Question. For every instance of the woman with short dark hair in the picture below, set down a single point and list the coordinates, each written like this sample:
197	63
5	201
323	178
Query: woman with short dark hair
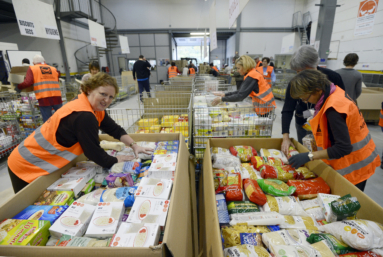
352	78
94	68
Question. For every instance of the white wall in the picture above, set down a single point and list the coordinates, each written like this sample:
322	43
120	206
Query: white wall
267	44
230	48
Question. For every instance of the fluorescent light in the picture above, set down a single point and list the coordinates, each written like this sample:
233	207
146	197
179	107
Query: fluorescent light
198	33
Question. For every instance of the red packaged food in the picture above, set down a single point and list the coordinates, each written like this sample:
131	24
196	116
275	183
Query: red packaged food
233	188
243	152
257	162
283	173
307	189
254	192
361	254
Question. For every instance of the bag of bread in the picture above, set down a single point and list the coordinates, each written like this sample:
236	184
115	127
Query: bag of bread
286	205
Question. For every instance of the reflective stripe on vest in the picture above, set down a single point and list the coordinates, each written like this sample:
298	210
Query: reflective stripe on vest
269	70
40	153
45	81
47	89
360	164
172	71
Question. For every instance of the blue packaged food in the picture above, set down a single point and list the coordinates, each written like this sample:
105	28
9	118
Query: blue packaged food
123	193
273	228
41	212
167	147
126	167
162	143
251	239
223	213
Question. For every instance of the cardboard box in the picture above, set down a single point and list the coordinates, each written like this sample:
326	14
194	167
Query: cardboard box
210	243
17	76
180	235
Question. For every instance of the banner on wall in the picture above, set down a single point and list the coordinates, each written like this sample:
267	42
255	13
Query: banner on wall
365	18
97	34
235	8
36	19
124	44
204	45
213	28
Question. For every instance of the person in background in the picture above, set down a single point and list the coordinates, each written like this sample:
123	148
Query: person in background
254	85
305	58
194	67
214	70
94	68
238	77
258	62
381	124
72	130
25	62
173	70
340	131
272	62
191	70
227	69
352	79
308	32
267	71
141	70
45	82
185	71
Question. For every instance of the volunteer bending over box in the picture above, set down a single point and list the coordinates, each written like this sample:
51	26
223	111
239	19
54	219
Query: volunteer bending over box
341	134
71	131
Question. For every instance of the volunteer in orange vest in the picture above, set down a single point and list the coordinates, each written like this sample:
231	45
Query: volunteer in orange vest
173	70
191	70
267	71
45	82
381	124
253	85
258	62
214	70
71	131
341	134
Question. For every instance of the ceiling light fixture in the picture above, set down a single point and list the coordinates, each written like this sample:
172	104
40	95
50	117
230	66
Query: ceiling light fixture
198	33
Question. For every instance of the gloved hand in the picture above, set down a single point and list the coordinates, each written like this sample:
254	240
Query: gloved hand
299	160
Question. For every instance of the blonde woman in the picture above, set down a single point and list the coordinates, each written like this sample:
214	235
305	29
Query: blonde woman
253	85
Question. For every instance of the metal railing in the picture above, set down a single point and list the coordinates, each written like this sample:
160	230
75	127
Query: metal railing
297	19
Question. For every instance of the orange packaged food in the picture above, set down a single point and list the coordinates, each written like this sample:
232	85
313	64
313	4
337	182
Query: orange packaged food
307	189
233	188
254	192
283	173
243	152
257	162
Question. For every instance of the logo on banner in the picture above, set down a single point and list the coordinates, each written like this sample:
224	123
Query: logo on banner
368	7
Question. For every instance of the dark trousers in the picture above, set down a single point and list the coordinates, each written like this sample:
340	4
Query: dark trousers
361	185
301	132
46	111
17	183
144	85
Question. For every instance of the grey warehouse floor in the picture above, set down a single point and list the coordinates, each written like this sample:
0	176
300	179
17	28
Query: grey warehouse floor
374	187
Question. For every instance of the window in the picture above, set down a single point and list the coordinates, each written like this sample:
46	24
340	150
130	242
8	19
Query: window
153	63
131	63
192	52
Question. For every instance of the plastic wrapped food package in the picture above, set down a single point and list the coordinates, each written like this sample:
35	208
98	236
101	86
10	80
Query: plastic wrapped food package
71	241
122	194
275	187
308	189
222	161
119	180
242	207
309	142
126	167
312	207
93	198
345	207
246	251
273	161
318	249
88	164
109	145
338	245
299	222
273	153
223	214
234	187
324	201
220	178
253	174
362	254
362	235
286	205
292	152
243	152
283	173
257	218
219	150
231	234
304	173
257	162
286	237
254	192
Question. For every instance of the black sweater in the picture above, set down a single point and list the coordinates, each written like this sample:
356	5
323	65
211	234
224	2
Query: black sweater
141	68
247	86
83	127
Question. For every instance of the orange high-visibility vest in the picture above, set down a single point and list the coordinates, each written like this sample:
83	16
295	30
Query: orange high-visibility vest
215	68
40	154
172	71
263	101
360	164
258	64
191	71
381	118
45	81
269	70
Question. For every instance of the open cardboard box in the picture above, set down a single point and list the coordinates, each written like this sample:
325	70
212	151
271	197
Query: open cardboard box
370	104
181	226
210	243
17	75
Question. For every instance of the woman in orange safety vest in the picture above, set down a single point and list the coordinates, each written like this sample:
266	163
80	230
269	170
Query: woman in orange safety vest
341	134
69	132
253	85
267	71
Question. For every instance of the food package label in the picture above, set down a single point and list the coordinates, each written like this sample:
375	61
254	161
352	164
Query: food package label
149	210
136	235
154	188
55	198
68	184
223	214
325	202
43	212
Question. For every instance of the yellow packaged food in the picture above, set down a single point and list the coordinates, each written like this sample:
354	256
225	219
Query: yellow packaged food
181	126
148	122
305	173
167	130
155	129
169	120
231	234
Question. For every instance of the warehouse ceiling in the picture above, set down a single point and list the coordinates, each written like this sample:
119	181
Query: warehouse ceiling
184	35
7	13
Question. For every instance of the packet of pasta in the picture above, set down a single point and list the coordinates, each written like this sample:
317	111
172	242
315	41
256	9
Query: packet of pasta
292	152
257	162
244	152
246	250
299	222
286	205
254	192
283	173
275	187
304	173
308	189
345	207
274	161
233	189
338	245
231	234
242	207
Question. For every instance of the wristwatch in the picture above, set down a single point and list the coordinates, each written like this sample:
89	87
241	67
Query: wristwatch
133	143
311	156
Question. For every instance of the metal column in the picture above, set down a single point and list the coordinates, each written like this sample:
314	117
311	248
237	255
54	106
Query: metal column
237	33
325	26
61	41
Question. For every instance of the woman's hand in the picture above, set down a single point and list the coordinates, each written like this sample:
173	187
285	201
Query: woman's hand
221	94
216	101
299	160
286	143
139	149
125	158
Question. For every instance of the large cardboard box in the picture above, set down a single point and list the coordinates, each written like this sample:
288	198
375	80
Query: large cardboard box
370	104
17	75
181	227
210	242
127	79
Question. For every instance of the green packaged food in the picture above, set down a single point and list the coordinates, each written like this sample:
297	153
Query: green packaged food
345	207
88	187
338	246
242	207
275	187
24	232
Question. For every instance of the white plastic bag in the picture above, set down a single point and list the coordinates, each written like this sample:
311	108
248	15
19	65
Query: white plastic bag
286	237
221	161
312	207
298	222
257	218
286	205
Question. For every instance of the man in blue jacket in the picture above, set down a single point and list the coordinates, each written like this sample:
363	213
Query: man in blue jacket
141	70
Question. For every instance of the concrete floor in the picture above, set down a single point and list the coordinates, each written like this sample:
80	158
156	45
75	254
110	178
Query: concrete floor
373	189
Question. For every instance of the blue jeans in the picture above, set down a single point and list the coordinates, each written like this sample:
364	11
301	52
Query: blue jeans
144	85
46	111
